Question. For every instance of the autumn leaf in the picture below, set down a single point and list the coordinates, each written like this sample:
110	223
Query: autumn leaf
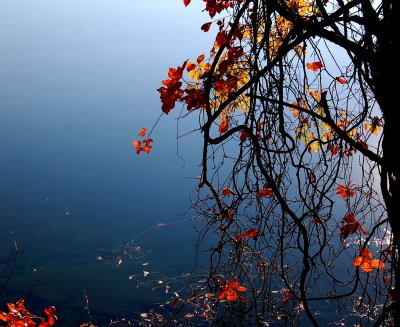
244	136
351	226
206	27
341	80
223	128
186	2
288	294
266	191
142	132
227	191
251	233
314	66
222	39
366	263
375	126
137	145
19	316
345	191
229	216
146	147
200	58
230	289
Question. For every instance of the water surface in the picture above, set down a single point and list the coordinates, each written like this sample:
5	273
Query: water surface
77	81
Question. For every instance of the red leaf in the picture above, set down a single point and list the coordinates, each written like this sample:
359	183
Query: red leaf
142	132
251	233
341	80
186	2
206	27
227	191
349	218
314	66
223	128
222	39
345	191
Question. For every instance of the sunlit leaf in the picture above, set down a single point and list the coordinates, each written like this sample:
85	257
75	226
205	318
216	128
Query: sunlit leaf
341	80
366	263
223	128
345	191
314	66
142	132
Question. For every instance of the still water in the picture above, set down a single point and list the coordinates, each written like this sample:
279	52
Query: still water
92	220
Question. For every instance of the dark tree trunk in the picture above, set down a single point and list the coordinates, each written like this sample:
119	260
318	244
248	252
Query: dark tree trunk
386	83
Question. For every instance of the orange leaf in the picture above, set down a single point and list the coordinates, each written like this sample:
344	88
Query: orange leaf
142	132
367	266
366	253
231	295
341	80
137	145
366	263
223	128
315	66
230	289
345	191
357	261
378	264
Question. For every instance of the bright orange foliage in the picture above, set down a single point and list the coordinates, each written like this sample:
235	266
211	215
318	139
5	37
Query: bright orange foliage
146	147
19	316
314	66
142	132
345	191
230	289
223	128
366	263
374	127
341	80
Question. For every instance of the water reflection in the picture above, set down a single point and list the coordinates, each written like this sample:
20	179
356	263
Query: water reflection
77	81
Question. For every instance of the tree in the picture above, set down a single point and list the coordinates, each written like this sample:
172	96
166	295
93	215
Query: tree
300	175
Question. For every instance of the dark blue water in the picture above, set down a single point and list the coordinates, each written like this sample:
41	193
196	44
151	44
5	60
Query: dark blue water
77	82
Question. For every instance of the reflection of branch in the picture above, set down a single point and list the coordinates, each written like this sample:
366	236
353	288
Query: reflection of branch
12	270
328	120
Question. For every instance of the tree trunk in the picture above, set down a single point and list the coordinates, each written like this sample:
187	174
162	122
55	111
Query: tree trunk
386	95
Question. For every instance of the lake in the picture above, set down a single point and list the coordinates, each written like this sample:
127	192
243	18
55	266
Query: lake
97	226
